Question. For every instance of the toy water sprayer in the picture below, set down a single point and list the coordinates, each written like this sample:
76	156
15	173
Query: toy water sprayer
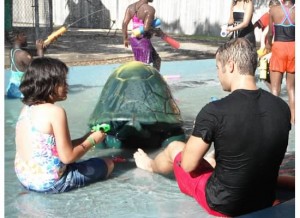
140	30
224	32
101	127
155	23
54	35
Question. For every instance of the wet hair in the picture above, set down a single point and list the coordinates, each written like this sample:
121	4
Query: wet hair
241	52
41	80
235	1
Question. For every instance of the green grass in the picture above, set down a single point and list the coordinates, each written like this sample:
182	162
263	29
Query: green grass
203	37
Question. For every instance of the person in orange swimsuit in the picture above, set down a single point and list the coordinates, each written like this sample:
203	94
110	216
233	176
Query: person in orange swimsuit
283	50
263	24
264	58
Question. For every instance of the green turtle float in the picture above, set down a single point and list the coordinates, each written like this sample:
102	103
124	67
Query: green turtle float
139	107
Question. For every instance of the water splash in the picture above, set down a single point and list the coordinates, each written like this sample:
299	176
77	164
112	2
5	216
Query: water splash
84	17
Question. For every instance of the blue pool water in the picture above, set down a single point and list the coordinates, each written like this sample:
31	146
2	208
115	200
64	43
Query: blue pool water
130	192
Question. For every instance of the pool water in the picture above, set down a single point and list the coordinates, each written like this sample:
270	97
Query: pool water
129	192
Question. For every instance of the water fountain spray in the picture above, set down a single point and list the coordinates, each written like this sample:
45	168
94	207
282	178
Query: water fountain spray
54	35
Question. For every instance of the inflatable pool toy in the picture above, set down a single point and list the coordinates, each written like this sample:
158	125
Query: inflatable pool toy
139	107
212	98
171	76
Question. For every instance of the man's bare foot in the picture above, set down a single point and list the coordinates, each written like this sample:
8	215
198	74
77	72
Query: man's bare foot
142	160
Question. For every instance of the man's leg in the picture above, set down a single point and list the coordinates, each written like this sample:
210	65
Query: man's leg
163	162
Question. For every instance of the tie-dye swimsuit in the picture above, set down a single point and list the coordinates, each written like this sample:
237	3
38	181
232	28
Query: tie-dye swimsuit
44	168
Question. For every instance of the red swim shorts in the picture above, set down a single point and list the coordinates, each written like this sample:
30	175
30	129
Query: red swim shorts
283	57
193	184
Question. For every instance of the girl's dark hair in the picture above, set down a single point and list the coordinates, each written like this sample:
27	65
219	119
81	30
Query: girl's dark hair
41	80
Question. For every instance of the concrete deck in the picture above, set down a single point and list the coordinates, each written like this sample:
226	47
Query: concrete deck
96	46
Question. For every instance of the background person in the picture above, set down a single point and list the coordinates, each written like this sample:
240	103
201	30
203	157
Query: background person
142	14
240	23
283	50
45	154
264	58
19	61
249	129
263	24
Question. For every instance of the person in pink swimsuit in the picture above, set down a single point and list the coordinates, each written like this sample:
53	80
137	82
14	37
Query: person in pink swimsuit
141	14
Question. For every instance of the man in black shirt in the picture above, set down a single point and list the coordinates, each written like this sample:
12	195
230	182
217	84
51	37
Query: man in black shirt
249	129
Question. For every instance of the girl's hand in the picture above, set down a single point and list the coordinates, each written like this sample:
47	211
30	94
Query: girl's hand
268	48
229	29
39	44
126	43
267	57
98	136
158	32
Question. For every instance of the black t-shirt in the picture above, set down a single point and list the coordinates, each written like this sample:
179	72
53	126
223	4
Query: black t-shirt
250	131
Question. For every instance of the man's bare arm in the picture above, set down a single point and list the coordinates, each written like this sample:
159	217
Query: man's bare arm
193	153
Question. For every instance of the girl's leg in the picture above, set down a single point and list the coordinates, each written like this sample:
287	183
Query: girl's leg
290	86
110	166
276	79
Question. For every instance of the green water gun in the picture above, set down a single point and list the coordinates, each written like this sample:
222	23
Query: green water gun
104	127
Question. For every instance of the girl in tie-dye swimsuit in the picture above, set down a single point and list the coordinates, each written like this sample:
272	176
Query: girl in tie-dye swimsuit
44	168
45	154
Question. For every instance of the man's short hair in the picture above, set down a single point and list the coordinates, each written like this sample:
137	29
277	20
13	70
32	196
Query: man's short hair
241	52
